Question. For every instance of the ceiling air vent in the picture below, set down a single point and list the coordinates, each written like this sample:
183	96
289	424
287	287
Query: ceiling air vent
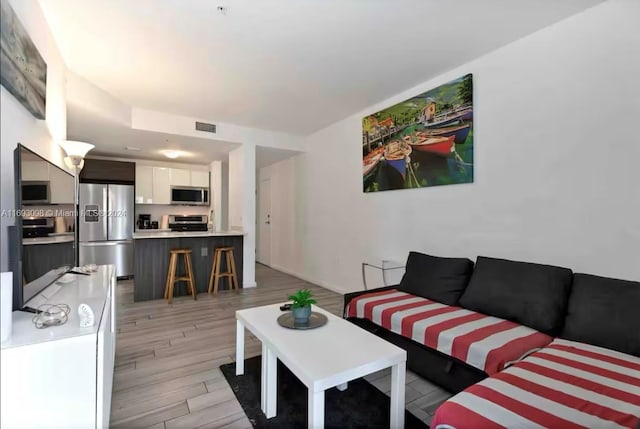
207	128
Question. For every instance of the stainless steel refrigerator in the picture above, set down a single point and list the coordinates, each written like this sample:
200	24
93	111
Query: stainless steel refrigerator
106	226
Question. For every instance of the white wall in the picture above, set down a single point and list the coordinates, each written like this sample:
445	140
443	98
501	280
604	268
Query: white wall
242	205
216	194
17	125
151	120
236	180
557	160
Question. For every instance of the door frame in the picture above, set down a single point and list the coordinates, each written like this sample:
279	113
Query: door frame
263	227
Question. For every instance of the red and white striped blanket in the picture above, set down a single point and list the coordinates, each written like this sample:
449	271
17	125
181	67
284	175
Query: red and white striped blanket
565	385
484	342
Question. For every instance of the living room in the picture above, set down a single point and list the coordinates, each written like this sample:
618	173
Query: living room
554	101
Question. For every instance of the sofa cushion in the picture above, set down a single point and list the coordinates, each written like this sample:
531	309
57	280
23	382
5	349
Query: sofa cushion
532	294
436	278
484	342
604	312
565	385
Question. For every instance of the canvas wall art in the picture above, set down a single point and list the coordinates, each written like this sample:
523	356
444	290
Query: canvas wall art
22	70
424	141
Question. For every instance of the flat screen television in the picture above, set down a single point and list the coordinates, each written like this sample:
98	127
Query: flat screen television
42	243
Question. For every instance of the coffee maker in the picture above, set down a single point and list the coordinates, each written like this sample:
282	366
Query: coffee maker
144	221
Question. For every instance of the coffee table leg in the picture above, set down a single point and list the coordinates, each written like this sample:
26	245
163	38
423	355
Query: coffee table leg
316	409
239	348
268	382
397	395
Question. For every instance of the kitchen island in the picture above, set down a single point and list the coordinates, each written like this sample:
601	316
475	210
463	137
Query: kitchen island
151	250
41	254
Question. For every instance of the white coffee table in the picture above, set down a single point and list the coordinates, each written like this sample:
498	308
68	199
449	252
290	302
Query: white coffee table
322	358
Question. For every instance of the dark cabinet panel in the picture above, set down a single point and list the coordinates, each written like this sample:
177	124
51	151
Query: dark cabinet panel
38	259
106	171
152	262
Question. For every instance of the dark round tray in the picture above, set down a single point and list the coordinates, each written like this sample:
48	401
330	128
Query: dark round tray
315	321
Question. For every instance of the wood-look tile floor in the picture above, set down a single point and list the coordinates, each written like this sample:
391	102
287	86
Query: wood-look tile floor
168	357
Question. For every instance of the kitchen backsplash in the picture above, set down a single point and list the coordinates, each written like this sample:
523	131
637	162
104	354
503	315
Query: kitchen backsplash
158	210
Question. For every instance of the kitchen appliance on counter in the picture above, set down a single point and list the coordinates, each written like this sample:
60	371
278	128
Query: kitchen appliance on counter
106	226
37	226
188	222
144	221
189	196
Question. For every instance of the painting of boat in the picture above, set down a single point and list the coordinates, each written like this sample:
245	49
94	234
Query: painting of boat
396	153
437	145
426	140
444	121
459	132
370	165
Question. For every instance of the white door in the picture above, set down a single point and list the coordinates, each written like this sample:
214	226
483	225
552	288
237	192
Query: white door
264	223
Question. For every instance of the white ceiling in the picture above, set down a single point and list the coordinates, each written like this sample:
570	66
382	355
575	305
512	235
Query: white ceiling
112	138
287	65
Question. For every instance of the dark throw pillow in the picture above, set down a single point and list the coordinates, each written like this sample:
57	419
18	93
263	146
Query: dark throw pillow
604	312
436	278
533	295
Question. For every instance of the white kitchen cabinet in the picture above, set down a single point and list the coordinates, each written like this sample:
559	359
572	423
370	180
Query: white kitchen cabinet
61	377
200	178
35	170
180	177
144	184
161	185
60	187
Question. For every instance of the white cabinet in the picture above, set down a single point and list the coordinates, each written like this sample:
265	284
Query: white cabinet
60	187
183	177
61	377
144	185
35	170
153	184
161	185
180	177
200	178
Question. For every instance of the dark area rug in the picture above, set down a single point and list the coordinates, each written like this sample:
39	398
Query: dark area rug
360	406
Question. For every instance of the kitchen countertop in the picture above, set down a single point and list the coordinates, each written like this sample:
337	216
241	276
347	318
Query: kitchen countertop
178	234
48	240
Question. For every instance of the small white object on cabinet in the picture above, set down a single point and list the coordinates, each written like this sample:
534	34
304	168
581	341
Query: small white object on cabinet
61	377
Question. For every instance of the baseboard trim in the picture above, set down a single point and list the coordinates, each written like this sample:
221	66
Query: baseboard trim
309	279
249	285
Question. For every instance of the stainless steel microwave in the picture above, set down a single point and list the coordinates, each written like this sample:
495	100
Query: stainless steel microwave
35	192
189	196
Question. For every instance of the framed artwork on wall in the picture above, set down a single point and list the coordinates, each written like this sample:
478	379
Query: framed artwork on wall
424	141
23	72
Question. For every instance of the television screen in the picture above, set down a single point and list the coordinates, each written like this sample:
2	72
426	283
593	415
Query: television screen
43	245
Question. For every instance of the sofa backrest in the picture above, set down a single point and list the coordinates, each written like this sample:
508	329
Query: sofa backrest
533	295
436	278
604	312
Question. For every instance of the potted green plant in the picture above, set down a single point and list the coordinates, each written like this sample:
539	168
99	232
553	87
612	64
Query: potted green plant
301	305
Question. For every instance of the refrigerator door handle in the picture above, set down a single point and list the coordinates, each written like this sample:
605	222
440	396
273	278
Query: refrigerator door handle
105	243
105	207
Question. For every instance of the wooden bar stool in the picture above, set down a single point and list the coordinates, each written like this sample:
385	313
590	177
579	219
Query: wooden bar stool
171	275
215	275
